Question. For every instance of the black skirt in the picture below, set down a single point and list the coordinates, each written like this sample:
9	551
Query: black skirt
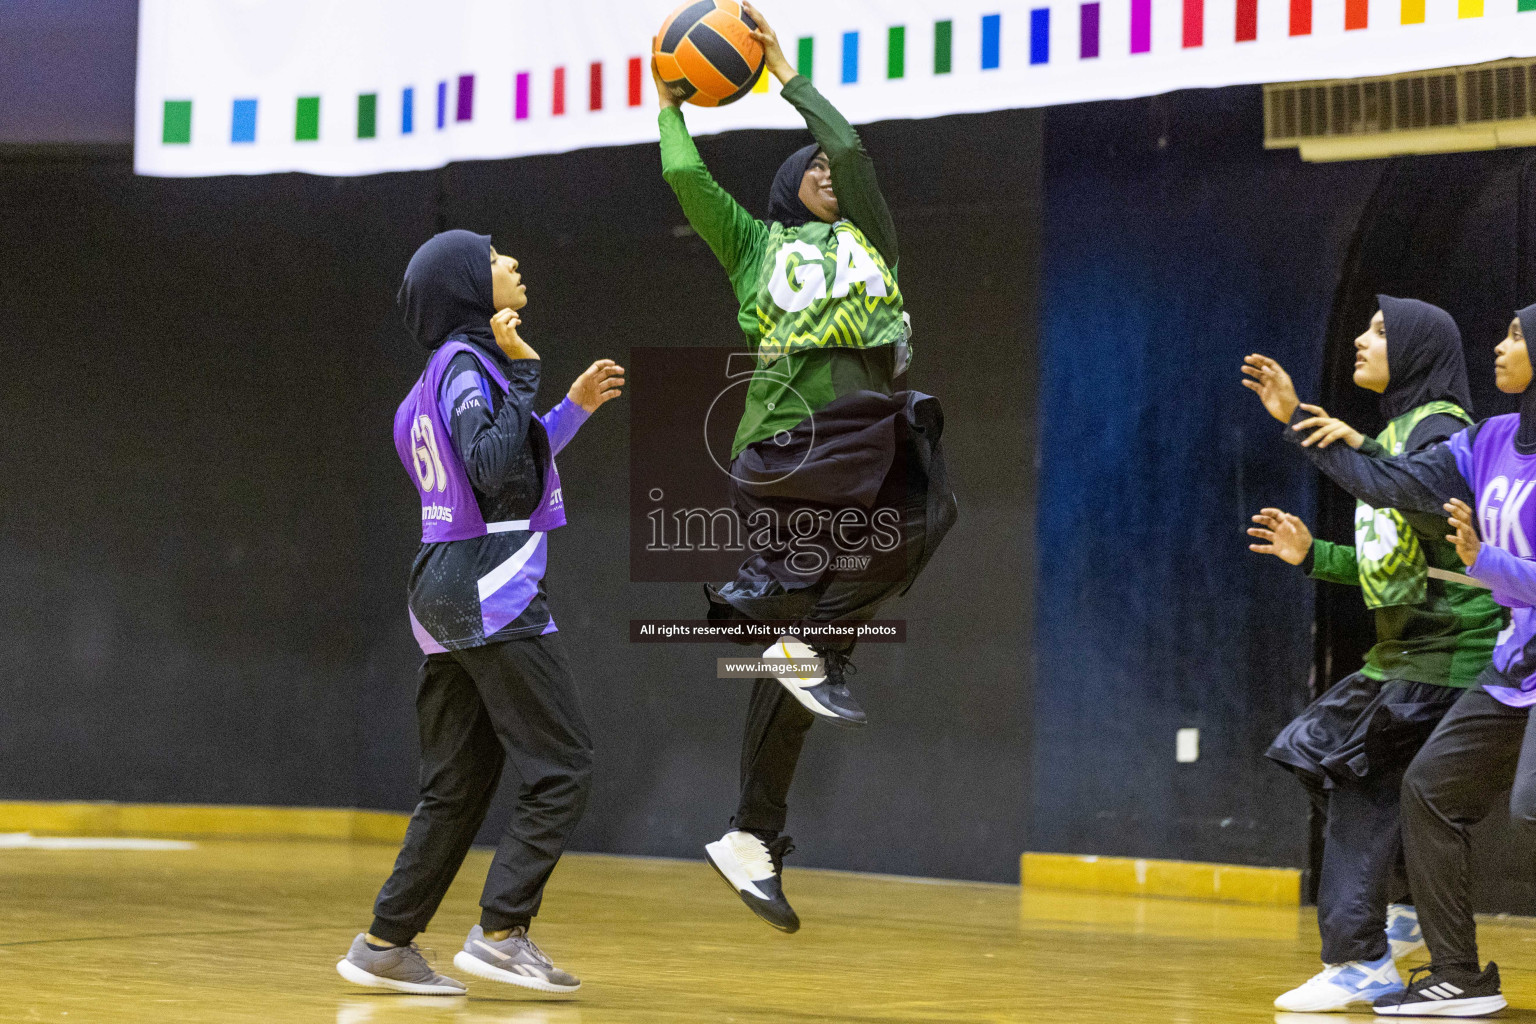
1361	725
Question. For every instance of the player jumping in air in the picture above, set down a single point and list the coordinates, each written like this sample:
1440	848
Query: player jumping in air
1351	746
495	685
1485	745
823	435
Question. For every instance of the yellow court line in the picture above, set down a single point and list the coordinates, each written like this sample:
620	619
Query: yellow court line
209	820
1231	883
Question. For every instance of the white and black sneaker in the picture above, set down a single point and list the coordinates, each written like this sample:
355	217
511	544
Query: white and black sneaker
754	870
825	696
1446	992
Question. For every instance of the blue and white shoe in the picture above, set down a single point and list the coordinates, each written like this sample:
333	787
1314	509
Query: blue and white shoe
1340	986
1403	932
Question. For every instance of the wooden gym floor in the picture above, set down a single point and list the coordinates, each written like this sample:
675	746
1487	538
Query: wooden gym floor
250	931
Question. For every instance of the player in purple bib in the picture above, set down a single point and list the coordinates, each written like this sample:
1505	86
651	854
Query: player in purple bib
495	684
1484	477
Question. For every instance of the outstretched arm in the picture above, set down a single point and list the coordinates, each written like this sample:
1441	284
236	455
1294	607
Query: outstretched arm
853	171
733	234
1422	481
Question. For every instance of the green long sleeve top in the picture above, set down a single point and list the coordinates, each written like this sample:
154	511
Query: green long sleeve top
819	303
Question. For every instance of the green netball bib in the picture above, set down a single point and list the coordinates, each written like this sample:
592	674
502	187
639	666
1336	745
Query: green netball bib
1393	570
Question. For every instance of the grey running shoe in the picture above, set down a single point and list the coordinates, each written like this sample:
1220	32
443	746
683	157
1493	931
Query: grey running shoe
514	960
401	968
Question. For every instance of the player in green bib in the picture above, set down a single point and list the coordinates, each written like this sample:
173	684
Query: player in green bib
1434	634
827	447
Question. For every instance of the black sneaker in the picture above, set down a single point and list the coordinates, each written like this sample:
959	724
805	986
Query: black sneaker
1446	992
827	697
754	870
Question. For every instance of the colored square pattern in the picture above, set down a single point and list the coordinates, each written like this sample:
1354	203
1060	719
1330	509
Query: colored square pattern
176	123
465	108
176	127
306	119
242	121
1141	26
1088	32
991	41
1301	17
1247	27
1194	23
368	115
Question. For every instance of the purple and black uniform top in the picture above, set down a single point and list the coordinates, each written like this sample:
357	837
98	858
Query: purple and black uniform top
1492	467
484	466
482	460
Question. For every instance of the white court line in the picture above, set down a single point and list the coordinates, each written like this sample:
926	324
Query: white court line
27	841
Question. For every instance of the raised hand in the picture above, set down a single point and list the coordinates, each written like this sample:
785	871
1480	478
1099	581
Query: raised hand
1327	429
1464	534
773	54
601	382
1272	384
665	94
1283	535
504	325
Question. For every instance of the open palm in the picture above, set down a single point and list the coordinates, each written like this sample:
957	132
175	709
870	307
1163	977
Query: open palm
1281	534
1268	379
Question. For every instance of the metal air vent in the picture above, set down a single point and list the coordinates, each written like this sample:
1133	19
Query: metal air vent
1483	106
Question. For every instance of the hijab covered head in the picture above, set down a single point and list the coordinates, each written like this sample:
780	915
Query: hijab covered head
1425	362
784	203
1525	439
447	291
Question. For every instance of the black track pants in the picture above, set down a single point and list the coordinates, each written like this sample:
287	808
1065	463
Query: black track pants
476	710
1480	749
1361	870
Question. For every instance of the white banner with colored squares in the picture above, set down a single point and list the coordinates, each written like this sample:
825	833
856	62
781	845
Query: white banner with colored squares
363	86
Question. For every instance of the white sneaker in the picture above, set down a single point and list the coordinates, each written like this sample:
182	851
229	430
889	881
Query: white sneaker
1340	986
826	696
754	871
1403	932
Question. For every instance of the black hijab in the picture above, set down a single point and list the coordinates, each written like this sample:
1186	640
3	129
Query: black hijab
1525	438
1425	362
784	203
447	292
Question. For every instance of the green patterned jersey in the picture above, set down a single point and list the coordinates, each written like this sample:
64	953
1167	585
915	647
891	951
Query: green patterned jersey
818	304
821	286
1392	566
1427	630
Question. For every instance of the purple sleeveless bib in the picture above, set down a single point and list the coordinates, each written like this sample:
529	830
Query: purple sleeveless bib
449	510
